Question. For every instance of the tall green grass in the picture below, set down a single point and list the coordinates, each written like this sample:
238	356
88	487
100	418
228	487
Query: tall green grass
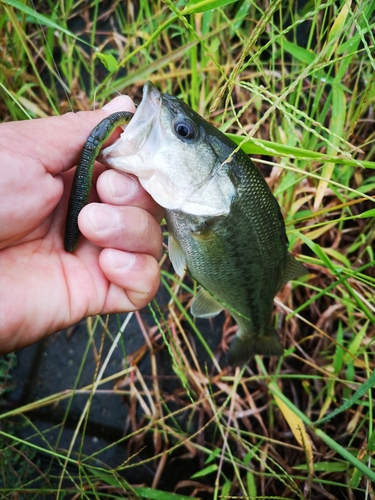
295	89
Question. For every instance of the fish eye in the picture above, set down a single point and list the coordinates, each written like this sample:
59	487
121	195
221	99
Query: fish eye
184	128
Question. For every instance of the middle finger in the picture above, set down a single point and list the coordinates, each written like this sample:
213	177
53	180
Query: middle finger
129	228
118	188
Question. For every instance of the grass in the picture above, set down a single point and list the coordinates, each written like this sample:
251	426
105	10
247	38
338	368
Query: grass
295	88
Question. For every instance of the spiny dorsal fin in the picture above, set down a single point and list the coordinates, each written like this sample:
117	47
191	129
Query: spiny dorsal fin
204	305
176	256
293	269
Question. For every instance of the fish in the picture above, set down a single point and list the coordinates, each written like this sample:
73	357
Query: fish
225	226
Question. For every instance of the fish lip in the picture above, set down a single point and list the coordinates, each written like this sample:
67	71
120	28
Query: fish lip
150	97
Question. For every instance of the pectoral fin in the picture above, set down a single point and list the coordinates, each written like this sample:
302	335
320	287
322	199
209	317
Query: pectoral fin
245	346
293	269
205	306
176	256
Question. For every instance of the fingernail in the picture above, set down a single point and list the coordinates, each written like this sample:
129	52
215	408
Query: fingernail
121	260
122	187
103	217
119	103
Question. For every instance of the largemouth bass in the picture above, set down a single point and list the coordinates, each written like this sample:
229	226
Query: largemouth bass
225	226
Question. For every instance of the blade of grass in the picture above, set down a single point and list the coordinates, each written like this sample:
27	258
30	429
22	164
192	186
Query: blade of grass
197	6
262	146
359	393
337	128
334	445
41	19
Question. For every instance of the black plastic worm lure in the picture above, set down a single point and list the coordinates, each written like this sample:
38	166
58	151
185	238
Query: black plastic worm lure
79	194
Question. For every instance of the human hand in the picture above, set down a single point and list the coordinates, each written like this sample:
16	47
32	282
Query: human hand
44	289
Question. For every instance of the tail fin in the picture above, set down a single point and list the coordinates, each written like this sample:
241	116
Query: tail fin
245	346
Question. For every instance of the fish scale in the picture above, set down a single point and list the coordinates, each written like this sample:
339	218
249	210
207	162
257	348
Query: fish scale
235	259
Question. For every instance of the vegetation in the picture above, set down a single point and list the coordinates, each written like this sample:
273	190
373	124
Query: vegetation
293	82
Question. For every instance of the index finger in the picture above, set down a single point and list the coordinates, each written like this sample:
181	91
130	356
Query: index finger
57	141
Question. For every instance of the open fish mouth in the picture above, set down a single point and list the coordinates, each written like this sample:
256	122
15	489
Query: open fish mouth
138	131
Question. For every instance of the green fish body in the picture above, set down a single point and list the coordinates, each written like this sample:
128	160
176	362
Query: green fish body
225	226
